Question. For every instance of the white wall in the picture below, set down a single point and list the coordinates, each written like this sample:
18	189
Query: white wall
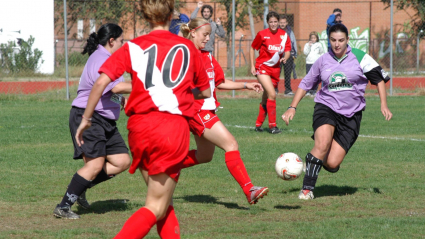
35	18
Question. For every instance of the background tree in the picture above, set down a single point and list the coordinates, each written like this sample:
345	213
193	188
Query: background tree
417	20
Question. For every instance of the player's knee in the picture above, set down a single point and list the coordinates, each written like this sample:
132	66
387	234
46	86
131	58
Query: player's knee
124	164
322	146
232	145
272	95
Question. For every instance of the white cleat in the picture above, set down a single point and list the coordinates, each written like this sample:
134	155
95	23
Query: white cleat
306	195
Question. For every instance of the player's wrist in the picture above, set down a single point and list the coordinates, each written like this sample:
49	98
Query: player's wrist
244	85
86	118
292	107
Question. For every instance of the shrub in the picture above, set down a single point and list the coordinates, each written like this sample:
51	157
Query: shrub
24	60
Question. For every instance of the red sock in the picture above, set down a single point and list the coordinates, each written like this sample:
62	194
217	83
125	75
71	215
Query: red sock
190	159
138	225
237	169
261	116
271	109
168	227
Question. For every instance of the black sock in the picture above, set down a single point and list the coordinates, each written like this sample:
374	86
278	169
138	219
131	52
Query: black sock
101	177
77	186
312	169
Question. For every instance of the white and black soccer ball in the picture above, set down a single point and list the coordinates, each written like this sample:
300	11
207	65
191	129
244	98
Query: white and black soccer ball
289	166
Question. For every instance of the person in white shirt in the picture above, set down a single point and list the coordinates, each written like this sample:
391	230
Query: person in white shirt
313	50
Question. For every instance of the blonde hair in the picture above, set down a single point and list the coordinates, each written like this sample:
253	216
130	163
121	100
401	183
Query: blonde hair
157	11
186	28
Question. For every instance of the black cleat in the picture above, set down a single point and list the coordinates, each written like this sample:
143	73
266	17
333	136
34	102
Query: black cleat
259	129
82	201
275	130
65	212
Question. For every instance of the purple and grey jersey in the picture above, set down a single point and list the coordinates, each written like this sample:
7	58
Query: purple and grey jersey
343	80
109	103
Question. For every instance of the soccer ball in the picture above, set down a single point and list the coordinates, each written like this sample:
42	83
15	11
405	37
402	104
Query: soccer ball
289	166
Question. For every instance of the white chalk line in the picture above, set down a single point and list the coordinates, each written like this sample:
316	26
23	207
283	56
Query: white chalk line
311	132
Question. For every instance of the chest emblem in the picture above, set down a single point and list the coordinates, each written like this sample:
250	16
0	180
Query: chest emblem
338	81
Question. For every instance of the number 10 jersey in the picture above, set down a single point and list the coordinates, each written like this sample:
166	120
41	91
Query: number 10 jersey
164	68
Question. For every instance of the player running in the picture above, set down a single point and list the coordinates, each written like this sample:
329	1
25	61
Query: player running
104	152
344	73
163	73
272	43
206	127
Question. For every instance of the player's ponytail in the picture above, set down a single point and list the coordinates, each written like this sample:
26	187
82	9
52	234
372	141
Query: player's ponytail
103	35
193	25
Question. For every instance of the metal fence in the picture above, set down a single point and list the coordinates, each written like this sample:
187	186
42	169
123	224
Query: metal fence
367	21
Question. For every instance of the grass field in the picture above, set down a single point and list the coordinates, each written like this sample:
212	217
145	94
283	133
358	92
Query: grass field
378	193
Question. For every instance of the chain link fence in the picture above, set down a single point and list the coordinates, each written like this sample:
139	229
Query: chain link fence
368	23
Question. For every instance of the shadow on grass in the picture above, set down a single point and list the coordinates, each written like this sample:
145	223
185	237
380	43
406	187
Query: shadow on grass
285	207
332	190
101	207
211	199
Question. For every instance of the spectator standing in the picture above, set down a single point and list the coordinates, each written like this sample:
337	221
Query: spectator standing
178	19
313	50
333	19
288	67
216	27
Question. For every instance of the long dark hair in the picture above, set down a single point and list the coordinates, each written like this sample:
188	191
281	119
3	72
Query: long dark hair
105	32
272	14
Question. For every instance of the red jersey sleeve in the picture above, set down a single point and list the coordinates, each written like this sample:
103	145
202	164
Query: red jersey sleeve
117	63
201	80
256	44
287	44
218	72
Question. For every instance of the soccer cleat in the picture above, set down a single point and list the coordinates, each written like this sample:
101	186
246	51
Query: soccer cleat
306	195
82	201
275	130
65	212
290	93
256	193
259	129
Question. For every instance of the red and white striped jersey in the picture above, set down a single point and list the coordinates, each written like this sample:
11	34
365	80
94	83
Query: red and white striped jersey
271	46
216	77
164	68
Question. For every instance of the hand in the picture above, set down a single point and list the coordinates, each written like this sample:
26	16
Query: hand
85	124
283	60
288	115
386	112
200	4
257	87
310	43
253	71
218	21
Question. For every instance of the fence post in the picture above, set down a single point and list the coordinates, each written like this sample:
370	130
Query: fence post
233	44
391	49
66	50
417	51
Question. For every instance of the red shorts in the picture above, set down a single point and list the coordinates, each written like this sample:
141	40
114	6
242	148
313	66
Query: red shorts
159	142
202	120
273	72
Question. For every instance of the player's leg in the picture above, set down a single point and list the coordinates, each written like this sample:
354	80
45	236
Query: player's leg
220	136
160	190
79	183
262	113
335	157
269	88
323	138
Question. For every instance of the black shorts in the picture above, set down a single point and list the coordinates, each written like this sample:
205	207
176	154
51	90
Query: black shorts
346	129
101	139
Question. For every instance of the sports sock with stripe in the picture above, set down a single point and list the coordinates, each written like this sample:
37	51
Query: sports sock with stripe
76	187
312	169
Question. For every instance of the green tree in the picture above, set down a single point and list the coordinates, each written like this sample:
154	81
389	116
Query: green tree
417	20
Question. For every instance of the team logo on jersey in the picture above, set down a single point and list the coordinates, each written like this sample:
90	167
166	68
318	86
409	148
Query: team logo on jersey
282	36
266	37
210	73
207	117
338	81
263	71
276	47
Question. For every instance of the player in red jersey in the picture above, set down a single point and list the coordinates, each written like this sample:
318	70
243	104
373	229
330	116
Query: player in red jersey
272	43
163	76
206	127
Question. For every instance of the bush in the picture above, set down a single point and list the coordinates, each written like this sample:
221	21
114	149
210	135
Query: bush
74	59
23	60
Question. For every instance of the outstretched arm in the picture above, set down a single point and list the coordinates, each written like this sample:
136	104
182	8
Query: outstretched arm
231	85
290	112
383	96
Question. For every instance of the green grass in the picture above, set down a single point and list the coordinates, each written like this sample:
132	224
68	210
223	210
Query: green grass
378	193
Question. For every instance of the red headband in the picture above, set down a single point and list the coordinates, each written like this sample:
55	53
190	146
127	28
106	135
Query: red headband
201	26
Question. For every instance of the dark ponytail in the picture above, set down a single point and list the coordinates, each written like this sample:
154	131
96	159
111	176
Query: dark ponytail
105	32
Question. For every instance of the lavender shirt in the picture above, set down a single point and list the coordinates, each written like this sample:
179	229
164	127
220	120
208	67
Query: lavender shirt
109	103
343	83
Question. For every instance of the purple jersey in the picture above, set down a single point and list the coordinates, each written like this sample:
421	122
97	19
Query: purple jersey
109	103
343	80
